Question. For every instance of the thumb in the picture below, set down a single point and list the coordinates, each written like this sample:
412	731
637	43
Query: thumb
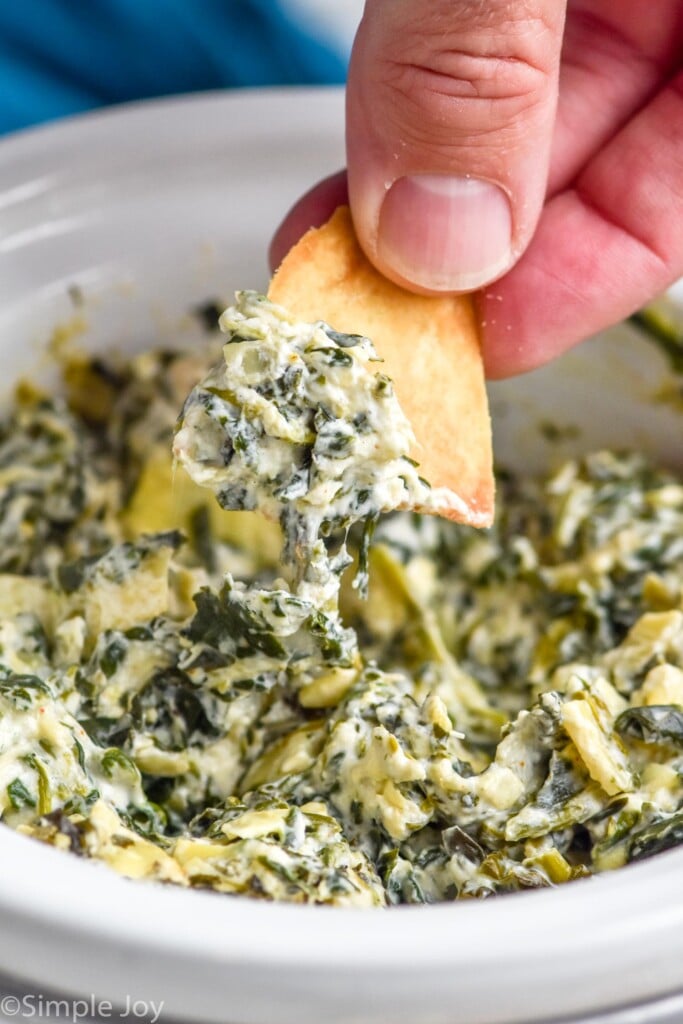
450	112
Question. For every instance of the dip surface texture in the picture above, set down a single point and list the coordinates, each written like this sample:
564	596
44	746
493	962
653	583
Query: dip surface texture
504	711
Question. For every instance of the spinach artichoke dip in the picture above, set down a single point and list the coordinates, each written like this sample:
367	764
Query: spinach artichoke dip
459	714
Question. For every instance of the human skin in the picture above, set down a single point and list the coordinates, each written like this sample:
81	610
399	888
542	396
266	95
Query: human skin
531	150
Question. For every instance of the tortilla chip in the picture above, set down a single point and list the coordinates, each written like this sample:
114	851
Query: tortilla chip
430	348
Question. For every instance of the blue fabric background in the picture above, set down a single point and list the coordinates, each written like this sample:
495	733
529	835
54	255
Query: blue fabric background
63	56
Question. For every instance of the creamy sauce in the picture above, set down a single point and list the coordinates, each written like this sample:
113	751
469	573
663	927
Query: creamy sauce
299	422
504	711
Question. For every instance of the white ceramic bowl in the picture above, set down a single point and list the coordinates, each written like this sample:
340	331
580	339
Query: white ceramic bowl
151	209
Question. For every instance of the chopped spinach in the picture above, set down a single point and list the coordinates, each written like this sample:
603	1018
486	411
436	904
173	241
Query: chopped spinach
655	724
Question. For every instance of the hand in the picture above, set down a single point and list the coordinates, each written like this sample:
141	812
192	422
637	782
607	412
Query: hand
465	168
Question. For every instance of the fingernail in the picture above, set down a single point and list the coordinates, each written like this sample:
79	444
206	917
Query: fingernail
445	233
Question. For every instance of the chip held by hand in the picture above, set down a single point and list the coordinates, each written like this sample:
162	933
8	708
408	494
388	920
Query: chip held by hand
431	351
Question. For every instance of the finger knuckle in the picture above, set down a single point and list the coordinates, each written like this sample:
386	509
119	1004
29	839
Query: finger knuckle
462	96
470	72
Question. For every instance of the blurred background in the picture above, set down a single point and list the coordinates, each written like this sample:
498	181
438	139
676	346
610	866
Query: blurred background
60	57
